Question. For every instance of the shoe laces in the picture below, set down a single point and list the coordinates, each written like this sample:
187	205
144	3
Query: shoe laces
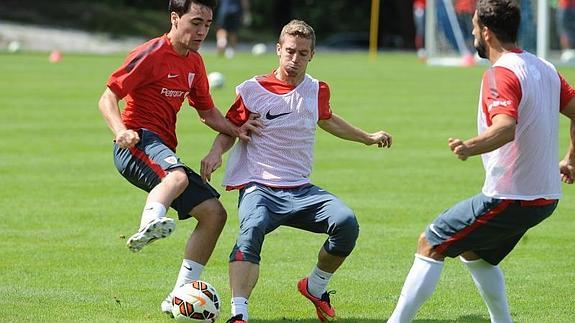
325	297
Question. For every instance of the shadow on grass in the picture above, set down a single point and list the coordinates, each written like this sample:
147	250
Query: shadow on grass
461	319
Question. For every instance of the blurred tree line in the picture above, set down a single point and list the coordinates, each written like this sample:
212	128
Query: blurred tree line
337	22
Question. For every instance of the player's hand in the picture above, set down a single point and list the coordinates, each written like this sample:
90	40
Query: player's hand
381	138
127	138
567	170
458	148
209	164
253	125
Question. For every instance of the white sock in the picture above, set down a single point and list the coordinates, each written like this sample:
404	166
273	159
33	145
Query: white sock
418	286
190	270
491	284
240	306
317	282
152	210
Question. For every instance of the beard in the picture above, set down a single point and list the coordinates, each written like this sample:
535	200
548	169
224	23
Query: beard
481	48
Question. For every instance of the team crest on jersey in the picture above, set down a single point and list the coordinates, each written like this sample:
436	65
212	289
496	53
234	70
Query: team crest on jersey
171	160
191	79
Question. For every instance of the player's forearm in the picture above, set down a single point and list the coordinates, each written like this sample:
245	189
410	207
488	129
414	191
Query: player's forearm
215	120
569	112
344	130
222	144
570	156
110	110
493	138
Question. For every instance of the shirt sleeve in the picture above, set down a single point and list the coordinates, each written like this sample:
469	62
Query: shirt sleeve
238	114
324	108
567	93
501	92
135	72
199	96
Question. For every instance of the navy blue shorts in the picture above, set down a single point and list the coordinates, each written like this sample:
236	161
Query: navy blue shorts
262	209
149	161
488	226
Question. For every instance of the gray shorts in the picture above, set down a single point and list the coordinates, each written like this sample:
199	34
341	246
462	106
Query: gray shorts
262	209
148	162
488	226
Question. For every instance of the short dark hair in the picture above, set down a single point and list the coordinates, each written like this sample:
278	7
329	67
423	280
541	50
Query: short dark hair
502	17
181	7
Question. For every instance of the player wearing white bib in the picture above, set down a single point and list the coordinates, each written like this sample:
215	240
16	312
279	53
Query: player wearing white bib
272	171
518	118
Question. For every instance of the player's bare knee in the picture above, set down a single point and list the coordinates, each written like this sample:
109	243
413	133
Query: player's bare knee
470	256
423	246
178	179
425	249
220	216
210	213
213	213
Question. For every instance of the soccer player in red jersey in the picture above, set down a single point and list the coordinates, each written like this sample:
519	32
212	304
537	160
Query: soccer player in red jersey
272	171
521	99
154	80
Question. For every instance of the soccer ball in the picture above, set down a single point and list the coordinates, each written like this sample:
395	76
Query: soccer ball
568	56
197	301
216	79
14	46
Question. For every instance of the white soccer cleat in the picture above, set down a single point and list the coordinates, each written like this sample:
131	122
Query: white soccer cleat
155	229
166	305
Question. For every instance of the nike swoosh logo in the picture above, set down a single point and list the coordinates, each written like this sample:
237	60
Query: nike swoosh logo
188	268
434	230
270	116
171	76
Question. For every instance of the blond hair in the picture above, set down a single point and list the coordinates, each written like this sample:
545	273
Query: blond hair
298	28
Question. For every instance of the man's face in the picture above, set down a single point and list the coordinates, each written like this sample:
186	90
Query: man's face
479	42
294	52
192	28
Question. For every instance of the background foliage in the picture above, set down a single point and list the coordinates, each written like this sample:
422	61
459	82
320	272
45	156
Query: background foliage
148	18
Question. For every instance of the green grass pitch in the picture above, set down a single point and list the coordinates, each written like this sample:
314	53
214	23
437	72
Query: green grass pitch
65	212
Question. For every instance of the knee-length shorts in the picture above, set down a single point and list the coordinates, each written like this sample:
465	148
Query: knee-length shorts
150	160
262	209
488	226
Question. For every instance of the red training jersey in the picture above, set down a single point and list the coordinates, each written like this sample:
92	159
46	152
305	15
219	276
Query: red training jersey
238	113
154	80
